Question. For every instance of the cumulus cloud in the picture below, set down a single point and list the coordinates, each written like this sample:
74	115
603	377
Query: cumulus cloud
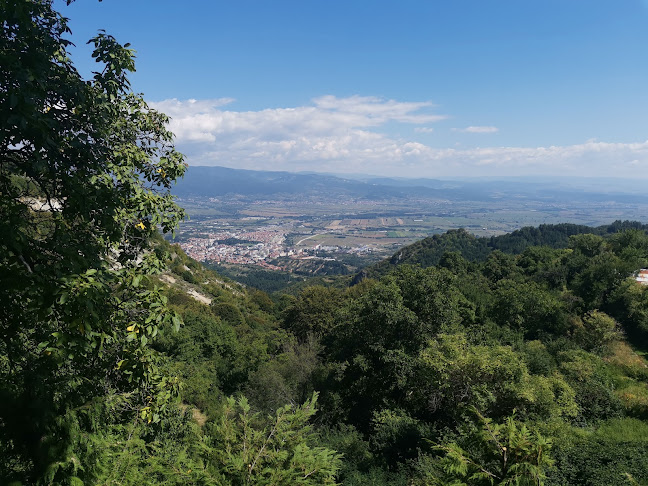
379	110
473	129
344	135
193	120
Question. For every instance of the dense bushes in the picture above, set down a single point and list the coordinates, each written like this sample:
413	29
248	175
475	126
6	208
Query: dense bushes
424	377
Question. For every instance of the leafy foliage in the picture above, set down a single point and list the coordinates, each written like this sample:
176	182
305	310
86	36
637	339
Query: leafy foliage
430	251
504	454
279	452
85	173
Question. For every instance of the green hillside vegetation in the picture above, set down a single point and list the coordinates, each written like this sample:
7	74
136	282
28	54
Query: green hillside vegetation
311	273
425	375
420	360
421	377
125	362
429	251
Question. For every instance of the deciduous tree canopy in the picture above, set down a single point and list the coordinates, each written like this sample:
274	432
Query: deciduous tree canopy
85	172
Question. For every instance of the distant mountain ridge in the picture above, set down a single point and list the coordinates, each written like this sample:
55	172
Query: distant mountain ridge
214	181
218	181
221	181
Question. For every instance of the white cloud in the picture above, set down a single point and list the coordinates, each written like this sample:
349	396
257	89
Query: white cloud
473	129
204	120
342	135
378	109
174	107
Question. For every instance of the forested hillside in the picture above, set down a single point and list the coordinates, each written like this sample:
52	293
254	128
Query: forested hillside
125	362
429	251
421	377
424	375
420	362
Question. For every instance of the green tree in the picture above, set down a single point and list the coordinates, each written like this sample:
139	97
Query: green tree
508	453
528	307
499	266
588	245
279	450
629	304
85	173
452	376
313	312
373	351
595	331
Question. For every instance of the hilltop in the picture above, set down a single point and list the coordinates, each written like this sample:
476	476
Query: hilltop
430	251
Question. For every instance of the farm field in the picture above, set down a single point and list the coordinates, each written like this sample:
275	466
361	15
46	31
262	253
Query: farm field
298	227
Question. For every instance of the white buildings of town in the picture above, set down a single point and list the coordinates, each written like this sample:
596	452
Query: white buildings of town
642	276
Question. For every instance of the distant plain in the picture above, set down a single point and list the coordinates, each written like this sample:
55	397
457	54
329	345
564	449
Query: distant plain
385	214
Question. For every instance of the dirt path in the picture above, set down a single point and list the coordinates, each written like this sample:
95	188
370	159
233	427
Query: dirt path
308	238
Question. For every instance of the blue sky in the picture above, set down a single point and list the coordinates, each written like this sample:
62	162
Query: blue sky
410	88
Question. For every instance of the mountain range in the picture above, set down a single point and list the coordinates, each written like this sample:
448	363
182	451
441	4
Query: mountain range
214	181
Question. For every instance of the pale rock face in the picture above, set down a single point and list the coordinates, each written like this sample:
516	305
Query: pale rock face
168	279
198	296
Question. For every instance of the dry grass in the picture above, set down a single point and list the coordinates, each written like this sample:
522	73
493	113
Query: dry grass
635	399
199	417
632	384
624	357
